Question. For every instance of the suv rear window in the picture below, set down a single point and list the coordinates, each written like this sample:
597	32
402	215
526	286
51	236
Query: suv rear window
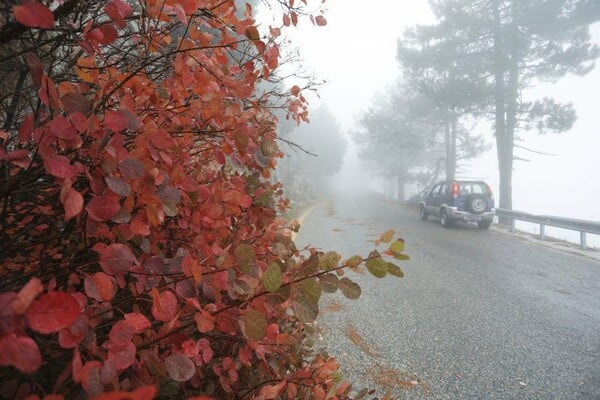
472	187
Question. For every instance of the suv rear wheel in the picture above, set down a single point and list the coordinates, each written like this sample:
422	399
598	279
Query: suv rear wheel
444	220
422	213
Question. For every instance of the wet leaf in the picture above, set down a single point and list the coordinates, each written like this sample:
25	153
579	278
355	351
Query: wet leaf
397	247
305	309
52	312
116	259
20	352
394	270
34	15
354	261
311	288
329	283
349	288
103	207
245	256
255	324
377	267
179	367
272	278
329	260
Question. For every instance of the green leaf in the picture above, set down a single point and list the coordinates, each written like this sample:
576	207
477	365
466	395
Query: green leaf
377	267
312	289
394	270
271	279
255	324
245	256
329	260
280	296
354	261
397	247
305	309
401	257
349	289
329	283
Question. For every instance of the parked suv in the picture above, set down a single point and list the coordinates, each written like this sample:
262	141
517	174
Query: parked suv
469	201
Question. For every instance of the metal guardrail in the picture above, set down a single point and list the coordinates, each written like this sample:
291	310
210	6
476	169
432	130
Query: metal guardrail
580	225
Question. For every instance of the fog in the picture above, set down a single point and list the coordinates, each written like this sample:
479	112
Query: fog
356	54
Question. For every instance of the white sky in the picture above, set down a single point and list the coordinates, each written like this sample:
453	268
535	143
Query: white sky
356	52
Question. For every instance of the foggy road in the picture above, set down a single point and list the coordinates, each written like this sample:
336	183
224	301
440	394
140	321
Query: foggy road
479	314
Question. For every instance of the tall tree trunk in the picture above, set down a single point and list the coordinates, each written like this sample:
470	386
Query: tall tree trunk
512	95
450	142
503	147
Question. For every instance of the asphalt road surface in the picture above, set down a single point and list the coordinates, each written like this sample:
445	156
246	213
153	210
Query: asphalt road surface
478	315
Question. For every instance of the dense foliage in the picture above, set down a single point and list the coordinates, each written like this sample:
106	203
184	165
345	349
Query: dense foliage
140	245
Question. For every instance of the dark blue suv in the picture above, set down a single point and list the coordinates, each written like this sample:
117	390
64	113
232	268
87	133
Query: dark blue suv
469	201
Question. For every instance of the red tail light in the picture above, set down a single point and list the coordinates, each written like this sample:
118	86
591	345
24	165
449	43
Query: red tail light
455	189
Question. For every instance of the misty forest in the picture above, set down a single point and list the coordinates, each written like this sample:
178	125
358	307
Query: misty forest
188	210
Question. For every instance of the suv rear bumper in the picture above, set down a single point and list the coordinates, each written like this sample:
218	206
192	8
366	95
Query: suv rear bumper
467	216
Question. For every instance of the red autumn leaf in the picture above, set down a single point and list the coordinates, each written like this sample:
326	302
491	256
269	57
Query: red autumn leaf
295	90
62	128
139	322
118	121
90	376
34	15
36	69
103	207
118	10
59	166
67	340
205	321
116	259
26	128
105	34
252	33
131	168
76	103
180	13
10	322
52	312
164	305
122	355
26	295
20	352
320	20
100	286
139	225
142	393
180	367
121	333
73	203
271	391
118	186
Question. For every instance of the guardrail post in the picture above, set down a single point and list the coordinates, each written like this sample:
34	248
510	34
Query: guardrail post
582	240
513	227
542	232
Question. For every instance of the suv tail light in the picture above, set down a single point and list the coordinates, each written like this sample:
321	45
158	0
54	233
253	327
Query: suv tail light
455	190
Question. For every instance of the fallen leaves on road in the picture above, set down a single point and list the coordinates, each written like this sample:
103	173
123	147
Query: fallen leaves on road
358	340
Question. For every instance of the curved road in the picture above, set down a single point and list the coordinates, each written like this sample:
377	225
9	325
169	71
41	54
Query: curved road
478	315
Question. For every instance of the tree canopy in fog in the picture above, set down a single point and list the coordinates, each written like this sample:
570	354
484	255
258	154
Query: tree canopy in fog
491	51
315	152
